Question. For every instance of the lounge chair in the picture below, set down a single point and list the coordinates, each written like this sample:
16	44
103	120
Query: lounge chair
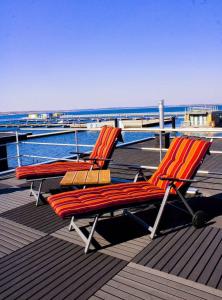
172	178
98	159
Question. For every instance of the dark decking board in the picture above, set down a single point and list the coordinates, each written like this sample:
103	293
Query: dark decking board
13	198
139	282
54	269
127	239
192	254
14	236
42	260
40	218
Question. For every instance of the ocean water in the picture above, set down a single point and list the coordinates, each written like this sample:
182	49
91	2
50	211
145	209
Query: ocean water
85	137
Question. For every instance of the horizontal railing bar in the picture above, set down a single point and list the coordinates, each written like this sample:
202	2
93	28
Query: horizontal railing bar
146	149
57	144
53	129
164	149
11	156
6	172
48	157
147	167
166	129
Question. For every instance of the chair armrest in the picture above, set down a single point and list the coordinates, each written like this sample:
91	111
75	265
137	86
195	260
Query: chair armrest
178	179
80	154
97	159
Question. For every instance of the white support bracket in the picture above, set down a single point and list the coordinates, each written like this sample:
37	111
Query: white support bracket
86	240
184	201
37	194
160	212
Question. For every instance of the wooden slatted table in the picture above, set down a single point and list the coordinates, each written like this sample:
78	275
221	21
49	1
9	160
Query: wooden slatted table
92	177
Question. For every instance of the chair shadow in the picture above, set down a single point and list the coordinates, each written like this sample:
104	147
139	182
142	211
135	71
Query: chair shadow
121	229
9	190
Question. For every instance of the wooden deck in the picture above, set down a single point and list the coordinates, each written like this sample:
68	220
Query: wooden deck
41	259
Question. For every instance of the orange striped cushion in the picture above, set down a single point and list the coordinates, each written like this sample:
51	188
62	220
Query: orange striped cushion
105	143
103	149
54	169
181	160
100	199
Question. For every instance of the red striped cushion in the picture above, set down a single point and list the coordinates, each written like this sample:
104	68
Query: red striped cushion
54	169
105	142
181	160
98	199
103	149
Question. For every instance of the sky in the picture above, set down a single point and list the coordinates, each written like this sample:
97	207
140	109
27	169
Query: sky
77	54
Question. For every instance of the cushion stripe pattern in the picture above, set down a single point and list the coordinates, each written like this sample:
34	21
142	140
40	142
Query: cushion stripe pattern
53	169
181	161
102	149
102	198
104	144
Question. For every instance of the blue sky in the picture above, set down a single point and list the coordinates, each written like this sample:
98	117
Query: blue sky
73	54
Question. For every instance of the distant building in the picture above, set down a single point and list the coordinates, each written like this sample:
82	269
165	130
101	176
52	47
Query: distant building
42	116
203	116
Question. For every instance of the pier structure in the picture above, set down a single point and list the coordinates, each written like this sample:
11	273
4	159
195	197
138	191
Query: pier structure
4	139
91	122
61	119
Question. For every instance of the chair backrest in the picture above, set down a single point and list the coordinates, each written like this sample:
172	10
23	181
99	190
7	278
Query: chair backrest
182	160
105	144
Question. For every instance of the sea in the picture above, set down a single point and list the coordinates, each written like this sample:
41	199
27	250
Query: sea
84	137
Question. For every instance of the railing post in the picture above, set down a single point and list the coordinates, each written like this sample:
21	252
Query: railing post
76	142
17	149
161	122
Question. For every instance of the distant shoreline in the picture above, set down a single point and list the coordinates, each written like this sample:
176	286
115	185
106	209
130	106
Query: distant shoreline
100	109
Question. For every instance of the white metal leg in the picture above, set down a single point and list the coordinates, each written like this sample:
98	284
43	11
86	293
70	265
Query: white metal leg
31	188
160	212
36	194
184	201
86	240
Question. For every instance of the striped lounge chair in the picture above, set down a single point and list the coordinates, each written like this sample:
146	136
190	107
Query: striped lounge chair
98	159
171	179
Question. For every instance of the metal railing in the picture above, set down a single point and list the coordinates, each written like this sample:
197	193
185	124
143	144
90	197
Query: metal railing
200	131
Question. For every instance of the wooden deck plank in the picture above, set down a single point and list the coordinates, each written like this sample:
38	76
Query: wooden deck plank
216	275
145	274
198	254
54	268
160	255
109	290
173	251
151	250
172	263
191	287
189	252
199	269
178	268
41	218
13	237
139	290
155	283
107	296
14	199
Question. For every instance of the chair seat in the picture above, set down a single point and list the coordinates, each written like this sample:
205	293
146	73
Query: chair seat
50	170
100	199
